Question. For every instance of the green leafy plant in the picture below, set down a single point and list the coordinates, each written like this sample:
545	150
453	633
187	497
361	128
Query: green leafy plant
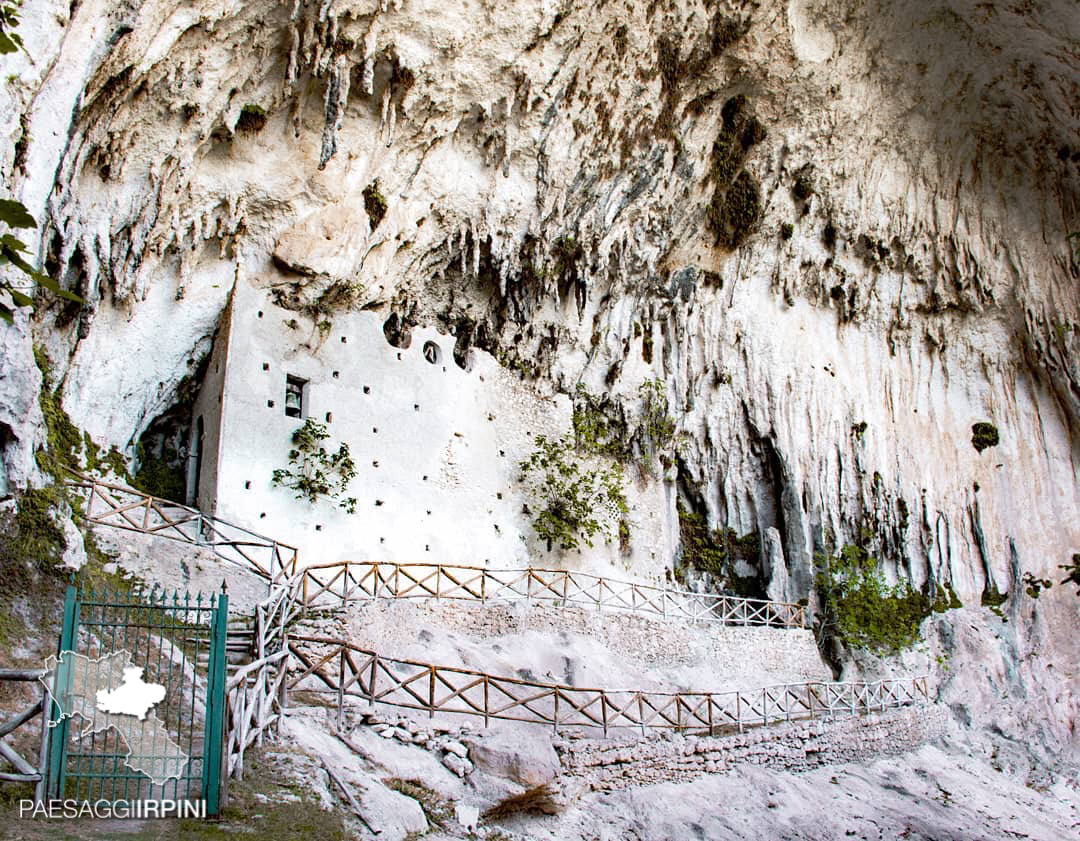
860	608
993	599
657	424
10	40
314	471
573	503
1033	585
598	430
946	599
13	214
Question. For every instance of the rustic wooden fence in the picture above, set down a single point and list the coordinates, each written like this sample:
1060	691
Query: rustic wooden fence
125	508
254	702
332	585
257	693
349	671
25	771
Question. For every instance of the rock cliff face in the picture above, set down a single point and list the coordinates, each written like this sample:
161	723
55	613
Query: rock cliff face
836	231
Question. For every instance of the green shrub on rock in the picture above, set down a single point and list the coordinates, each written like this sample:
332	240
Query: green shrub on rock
861	609
717	552
573	503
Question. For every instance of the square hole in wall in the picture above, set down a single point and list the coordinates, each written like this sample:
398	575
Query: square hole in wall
266	366
329	417
247	485
260	313
337	374
318	527
367	390
343	340
270	404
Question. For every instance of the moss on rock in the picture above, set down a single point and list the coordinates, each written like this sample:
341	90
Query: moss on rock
252	119
983	435
374	204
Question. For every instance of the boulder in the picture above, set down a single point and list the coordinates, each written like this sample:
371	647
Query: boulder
529	762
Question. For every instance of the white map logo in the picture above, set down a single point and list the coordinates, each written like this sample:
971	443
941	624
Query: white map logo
110	693
134	697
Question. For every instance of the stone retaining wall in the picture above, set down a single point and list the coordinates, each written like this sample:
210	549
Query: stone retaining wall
724	657
604	765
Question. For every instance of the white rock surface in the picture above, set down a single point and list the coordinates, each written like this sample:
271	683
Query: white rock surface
530	762
539	208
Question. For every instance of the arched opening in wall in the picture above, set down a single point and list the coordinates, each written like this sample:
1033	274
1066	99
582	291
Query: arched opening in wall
432	353
397	332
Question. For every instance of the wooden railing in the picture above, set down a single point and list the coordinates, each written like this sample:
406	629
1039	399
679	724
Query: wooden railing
125	508
254	702
350	671
329	585
25	771
257	693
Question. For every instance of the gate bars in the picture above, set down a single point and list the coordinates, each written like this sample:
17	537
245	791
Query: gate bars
179	642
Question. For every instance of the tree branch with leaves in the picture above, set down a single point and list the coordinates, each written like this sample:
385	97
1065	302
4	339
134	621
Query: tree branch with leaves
314	471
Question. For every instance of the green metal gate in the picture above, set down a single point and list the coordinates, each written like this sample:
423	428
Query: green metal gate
179	642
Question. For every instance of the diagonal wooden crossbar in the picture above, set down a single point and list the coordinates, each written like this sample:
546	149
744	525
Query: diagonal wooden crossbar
327	585
257	693
123	507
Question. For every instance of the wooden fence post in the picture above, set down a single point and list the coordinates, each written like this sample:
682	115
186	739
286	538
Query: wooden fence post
341	690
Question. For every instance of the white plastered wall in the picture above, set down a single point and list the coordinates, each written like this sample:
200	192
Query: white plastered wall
436	448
